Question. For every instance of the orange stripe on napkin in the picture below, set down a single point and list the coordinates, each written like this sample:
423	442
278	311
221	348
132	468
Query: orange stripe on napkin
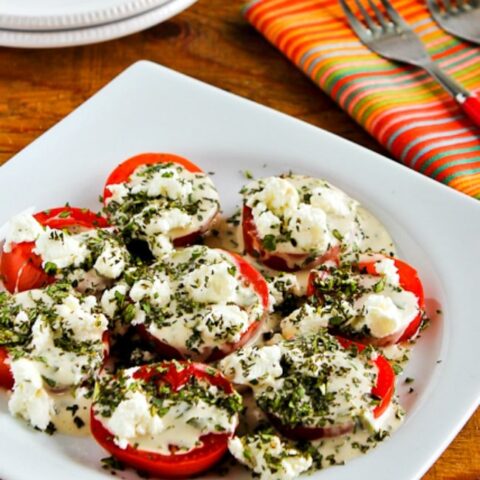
402	107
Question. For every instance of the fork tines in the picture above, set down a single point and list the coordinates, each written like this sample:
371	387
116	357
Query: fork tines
377	22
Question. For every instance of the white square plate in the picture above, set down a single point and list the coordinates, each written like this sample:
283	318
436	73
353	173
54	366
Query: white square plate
150	108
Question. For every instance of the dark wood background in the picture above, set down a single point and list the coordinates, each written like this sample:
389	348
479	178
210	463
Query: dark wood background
213	43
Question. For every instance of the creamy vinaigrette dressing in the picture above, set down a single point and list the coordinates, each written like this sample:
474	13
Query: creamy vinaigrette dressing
72	414
340	449
227	234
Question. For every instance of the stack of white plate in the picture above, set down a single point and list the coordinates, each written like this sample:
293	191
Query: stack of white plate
62	23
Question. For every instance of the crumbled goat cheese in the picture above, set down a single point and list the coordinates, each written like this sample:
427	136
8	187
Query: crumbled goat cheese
251	365
386	315
387	268
61	249
305	320
111	262
21	228
269	457
29	399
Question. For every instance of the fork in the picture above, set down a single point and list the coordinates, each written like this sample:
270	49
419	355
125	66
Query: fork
461	18
388	35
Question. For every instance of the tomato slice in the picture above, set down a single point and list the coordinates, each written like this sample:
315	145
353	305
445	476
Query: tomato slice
409	281
6	377
385	386
383	390
176	465
252	277
21	269
283	262
122	172
68	217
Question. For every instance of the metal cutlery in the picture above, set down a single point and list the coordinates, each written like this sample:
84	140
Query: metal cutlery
460	17
387	34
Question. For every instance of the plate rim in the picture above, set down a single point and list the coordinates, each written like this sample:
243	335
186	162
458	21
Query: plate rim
469	402
95	34
82	18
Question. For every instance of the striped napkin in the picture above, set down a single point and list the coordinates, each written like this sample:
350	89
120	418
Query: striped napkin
402	107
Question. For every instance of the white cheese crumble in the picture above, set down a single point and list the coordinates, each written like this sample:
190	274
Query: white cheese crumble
212	283
86	325
131	419
61	249
21	228
303	321
158	291
66	368
387	268
269	457
304	215
309	229
221	318
377	424
385	315
111	262
251	365
279	196
109	300
282	285
29	399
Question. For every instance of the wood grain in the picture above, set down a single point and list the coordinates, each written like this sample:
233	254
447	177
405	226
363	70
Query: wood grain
40	87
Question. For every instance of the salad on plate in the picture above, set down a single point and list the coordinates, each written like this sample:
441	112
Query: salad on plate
178	338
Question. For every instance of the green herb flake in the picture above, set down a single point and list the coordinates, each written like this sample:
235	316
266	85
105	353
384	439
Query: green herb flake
78	422
112	463
269	243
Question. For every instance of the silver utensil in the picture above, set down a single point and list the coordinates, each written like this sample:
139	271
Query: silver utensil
460	17
387	34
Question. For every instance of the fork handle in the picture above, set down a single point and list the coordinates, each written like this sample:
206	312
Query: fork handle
469	102
471	106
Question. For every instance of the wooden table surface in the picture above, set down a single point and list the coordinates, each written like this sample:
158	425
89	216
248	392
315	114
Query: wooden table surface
213	43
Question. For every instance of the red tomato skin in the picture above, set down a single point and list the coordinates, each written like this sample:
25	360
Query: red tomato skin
77	217
6	377
384	390
122	172
255	278
21	269
170	466
164	466
285	262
